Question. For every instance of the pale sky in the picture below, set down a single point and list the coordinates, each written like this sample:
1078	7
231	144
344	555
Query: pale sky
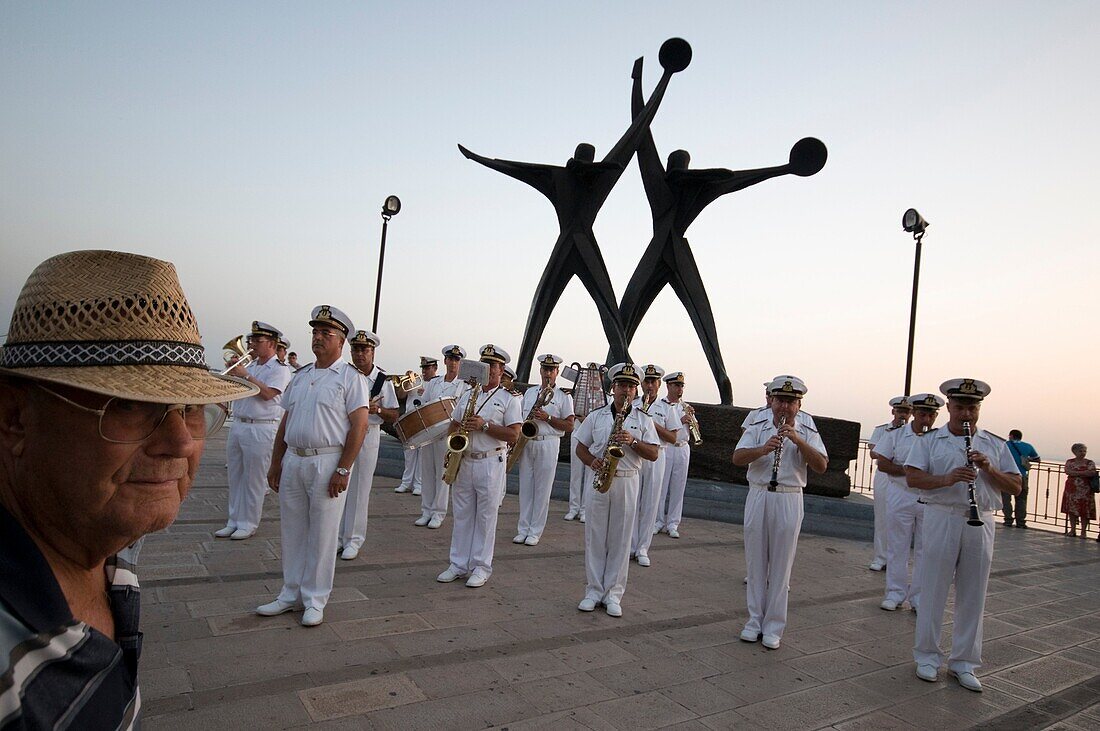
252	144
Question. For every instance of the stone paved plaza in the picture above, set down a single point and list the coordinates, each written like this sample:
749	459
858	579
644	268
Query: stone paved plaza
399	650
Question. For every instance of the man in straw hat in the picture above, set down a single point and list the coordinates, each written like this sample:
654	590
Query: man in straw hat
612	514
315	449
956	552
105	400
255	421
773	508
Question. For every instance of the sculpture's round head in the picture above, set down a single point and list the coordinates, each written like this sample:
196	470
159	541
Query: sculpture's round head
585	153
675	55
679	160
808	156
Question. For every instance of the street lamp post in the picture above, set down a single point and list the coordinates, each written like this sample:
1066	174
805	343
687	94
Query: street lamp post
913	223
390	208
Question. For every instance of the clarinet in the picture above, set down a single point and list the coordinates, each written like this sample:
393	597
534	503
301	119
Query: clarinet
777	461
974	517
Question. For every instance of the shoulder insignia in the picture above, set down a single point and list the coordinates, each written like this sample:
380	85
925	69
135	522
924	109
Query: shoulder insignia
894	428
303	369
921	434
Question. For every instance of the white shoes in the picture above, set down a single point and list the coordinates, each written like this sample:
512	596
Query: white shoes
656	530
889	605
349	553
448	576
422	521
435	522
531	541
225	532
967	680
416	491
476	580
571	515
643	560
519	538
587	605
928	672
747	635
241	534
581	518
770	641
673	533
877	566
277	607
614	610
313	617
401	488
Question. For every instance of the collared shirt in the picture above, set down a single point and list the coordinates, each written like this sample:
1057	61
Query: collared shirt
792	466
877	435
765	412
496	406
940	451
663	415
387	395
56	671
439	388
678	411
560	407
596	430
318	402
896	445
272	374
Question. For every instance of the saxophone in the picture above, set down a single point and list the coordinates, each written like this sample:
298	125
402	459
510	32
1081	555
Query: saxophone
459	442
693	425
529	429
612	453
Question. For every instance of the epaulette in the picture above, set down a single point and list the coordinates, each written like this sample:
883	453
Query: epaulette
304	368
921	434
356	368
566	391
894	428
883	426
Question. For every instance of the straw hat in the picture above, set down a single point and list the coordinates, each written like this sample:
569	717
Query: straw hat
116	324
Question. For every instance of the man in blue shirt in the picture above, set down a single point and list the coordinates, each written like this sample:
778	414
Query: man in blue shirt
1024	454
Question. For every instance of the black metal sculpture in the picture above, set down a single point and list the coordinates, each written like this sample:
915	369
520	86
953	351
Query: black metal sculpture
676	197
577	191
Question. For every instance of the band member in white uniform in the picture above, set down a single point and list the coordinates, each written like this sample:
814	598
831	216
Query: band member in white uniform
665	422
765	411
508	383
475	495
252	437
612	515
954	551
899	409
773	513
410	478
383	407
904	514
539	461
677	458
282	345
435	492
316	446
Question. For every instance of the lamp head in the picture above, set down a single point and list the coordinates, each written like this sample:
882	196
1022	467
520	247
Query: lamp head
391	206
913	222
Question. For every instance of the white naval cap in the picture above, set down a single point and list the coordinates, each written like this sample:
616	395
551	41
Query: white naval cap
965	388
928	401
365	337
427	360
263	328
787	386
627	372
284	343
901	402
454	351
329	316
675	377
492	354
652	371
549	360
509	373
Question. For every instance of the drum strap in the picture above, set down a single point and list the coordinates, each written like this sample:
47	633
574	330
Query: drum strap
379	381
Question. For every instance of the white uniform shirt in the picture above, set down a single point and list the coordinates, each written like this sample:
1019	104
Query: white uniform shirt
877	435
415	398
663	415
896	445
498	407
387	394
272	375
596	430
318	401
682	434
560	407
765	412
939	452
439	388
792	467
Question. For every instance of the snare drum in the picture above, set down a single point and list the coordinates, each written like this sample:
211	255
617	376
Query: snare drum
428	423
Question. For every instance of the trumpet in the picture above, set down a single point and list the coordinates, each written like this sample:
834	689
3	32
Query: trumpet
407	382
974	517
777	461
236	353
529	429
693	425
612	453
459	442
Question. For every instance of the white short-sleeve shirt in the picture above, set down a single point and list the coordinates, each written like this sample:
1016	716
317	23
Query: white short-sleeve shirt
877	435
792	466
496	406
387	396
439	388
318	402
939	452
273	375
596	430
663	415
896	445
560	407
678	411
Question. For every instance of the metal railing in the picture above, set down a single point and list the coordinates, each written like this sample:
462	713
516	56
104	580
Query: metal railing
1046	481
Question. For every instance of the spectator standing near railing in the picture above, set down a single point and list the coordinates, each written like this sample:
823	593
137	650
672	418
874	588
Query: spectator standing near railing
1024	454
1077	500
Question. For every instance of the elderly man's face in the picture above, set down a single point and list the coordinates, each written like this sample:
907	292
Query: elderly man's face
786	407
363	357
262	346
327	342
86	496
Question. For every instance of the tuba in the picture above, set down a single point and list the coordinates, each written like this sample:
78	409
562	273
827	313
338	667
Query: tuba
612	453
529	429
236	353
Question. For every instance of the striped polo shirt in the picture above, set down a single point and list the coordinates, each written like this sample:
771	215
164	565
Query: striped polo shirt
56	671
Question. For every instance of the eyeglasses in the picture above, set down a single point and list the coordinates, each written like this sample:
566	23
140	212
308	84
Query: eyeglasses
122	421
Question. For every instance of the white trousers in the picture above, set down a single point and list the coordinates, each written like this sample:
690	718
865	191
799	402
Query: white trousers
610	519
773	521
537	468
248	458
959	554
905	519
353	528
649	494
675	482
580	477
310	520
434	492
411	476
476	498
878	491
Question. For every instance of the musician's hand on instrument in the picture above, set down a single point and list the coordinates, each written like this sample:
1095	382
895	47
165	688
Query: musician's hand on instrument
597	465
541	415
685	419
238	372
980	460
474	423
962	474
623	437
773	443
375	405
337	484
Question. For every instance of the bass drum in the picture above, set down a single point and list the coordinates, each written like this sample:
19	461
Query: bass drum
428	423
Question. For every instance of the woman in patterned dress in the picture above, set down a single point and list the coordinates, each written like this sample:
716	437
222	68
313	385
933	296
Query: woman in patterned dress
1077	501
